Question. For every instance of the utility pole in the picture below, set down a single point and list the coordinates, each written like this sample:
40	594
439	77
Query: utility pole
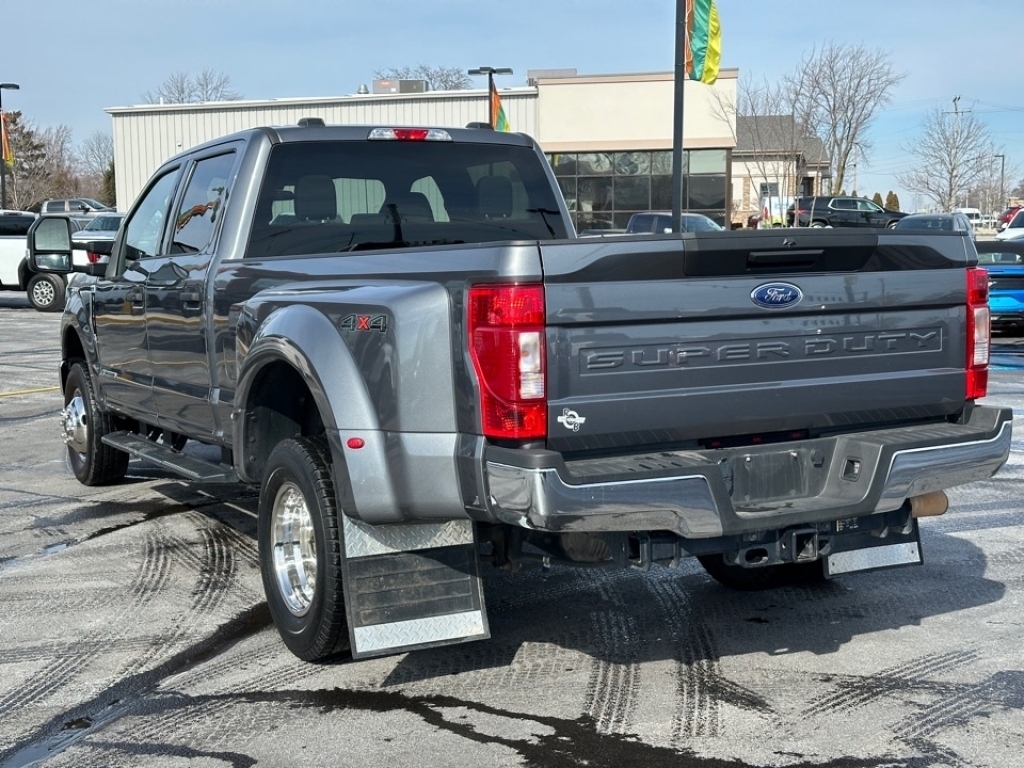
1002	180
954	175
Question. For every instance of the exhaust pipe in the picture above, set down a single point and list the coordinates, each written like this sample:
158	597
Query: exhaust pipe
929	504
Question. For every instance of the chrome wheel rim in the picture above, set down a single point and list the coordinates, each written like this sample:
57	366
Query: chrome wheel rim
293	541
74	420
43	292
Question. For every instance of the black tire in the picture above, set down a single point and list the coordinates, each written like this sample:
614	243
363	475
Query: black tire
767	577
46	292
308	609
84	424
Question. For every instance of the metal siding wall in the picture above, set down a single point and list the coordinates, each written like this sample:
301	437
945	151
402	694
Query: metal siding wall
144	137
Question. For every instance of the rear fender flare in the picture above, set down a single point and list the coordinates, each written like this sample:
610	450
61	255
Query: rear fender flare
306	340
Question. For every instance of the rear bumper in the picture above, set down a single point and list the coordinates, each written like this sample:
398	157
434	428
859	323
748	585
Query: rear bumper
704	494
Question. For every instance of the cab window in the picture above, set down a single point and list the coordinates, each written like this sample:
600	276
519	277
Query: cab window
202	205
144	228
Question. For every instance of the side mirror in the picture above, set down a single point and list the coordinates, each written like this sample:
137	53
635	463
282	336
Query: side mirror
49	244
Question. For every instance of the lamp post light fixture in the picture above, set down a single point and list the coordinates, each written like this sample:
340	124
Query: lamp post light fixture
490	72
3	161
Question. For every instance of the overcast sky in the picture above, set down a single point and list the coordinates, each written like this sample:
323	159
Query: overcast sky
73	59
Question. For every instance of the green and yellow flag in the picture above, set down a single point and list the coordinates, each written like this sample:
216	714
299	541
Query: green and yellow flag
5	144
703	41
498	112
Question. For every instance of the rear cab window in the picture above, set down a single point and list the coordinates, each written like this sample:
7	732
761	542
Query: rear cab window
12	225
345	196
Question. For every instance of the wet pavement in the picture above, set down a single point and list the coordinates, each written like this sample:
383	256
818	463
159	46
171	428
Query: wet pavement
133	632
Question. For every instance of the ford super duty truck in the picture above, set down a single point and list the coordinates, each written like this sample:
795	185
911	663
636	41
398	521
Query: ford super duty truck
396	335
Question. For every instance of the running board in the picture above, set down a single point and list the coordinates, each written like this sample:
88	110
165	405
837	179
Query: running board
411	586
162	456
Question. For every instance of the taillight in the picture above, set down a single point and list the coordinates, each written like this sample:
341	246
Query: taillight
94	258
507	346
979	333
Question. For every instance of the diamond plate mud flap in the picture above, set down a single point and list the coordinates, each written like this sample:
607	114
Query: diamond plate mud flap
411	586
868	554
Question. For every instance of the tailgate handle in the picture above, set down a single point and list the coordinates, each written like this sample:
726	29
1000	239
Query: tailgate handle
788	258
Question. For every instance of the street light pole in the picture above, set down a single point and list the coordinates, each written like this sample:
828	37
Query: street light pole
490	72
3	161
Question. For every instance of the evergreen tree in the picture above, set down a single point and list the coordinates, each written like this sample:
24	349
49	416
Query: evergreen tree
877	199
109	192
892	202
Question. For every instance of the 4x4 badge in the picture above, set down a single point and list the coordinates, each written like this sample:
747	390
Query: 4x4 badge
571	420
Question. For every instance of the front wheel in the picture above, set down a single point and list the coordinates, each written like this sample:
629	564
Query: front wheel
46	292
766	577
84	425
300	549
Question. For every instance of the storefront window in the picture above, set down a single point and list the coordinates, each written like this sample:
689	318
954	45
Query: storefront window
603	189
706	161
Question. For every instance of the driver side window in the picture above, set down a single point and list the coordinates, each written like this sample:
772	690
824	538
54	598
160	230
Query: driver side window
144	229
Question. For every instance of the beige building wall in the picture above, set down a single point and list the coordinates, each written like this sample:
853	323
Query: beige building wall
633	112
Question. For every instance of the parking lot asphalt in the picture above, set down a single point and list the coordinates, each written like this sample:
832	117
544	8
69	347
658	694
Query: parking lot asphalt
133	632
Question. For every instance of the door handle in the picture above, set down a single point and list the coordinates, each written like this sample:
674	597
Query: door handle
190	297
136	296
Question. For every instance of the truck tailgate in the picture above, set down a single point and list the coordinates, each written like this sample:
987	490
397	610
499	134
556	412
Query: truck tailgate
732	338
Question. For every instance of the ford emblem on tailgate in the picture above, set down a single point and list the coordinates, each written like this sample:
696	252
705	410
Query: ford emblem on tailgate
775	295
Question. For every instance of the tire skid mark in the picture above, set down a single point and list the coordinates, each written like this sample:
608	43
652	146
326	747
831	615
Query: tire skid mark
54	737
222	701
53	677
615	674
698	713
860	691
210	561
955	704
69	660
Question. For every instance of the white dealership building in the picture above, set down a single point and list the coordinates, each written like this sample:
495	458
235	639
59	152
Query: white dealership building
608	137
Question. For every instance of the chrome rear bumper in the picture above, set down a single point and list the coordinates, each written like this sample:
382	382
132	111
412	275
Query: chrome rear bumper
701	494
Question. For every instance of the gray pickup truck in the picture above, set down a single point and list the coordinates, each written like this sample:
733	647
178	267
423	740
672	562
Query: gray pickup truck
395	333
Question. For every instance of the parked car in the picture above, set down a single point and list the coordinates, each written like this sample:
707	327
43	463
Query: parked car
45	291
99	228
73	205
1005	217
1004	260
839	211
658	222
938	222
1014	228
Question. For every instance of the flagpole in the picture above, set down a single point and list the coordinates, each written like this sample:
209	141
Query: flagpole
677	115
6	135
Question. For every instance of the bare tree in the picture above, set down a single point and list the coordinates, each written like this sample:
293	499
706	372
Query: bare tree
438	78
44	164
952	155
774	150
96	153
838	90
184	88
